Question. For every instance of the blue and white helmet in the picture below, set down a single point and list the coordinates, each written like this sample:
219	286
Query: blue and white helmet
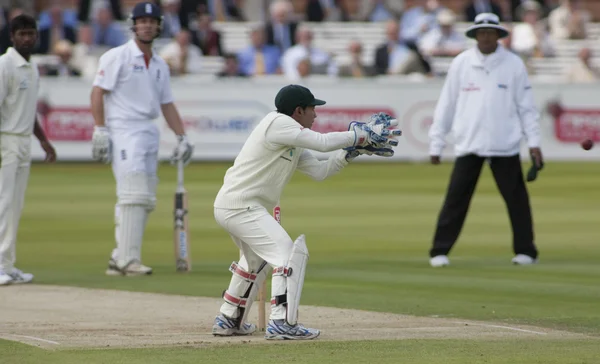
147	9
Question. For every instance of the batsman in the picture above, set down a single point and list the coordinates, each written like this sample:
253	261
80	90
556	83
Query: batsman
277	147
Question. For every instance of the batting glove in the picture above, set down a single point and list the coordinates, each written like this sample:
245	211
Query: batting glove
183	151
101	144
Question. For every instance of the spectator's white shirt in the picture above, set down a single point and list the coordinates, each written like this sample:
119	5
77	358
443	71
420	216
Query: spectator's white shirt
171	53
292	57
435	40
581	73
558	19
19	86
136	92
83	61
524	40
488	104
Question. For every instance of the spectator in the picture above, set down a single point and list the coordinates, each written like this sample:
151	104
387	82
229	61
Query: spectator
420	19
182	56
171	22
319	10
348	10
281	30
516	5
569	21
582	71
380	11
482	6
356	68
224	10
397	56
443	41
231	67
299	10
86	5
321	62
56	30
5	41
63	49
530	37
107	32
206	38
259	58
85	57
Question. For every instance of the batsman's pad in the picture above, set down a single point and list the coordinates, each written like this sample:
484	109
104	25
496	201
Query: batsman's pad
137	189
243	289
294	274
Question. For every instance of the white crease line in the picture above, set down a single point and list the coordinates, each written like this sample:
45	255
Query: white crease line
503	327
34	338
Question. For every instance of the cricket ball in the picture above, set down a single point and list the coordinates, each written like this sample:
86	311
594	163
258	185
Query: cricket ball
587	144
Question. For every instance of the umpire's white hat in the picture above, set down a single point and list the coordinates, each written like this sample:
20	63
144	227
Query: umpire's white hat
486	21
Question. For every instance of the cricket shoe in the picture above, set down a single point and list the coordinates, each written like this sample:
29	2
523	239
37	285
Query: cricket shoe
439	261
5	279
225	326
134	268
522	259
18	277
281	330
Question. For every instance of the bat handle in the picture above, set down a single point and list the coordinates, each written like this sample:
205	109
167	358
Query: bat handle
180	173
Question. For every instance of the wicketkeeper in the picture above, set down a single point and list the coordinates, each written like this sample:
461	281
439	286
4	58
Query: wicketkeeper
276	148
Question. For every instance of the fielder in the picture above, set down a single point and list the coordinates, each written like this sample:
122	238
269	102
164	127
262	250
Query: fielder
19	86
276	148
131	88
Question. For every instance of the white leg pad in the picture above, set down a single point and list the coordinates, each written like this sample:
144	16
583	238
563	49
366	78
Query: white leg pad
133	224
241	292
293	273
261	275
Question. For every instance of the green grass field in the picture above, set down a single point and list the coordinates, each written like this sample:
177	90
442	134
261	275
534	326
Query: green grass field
368	231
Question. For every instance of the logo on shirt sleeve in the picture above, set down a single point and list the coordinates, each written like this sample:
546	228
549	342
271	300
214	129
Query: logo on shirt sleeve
101	73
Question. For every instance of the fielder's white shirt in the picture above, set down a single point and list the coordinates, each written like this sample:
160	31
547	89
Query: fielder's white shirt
488	104
268	159
19	86
136	91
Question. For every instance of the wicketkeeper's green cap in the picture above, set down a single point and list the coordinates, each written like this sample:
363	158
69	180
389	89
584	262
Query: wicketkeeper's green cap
292	96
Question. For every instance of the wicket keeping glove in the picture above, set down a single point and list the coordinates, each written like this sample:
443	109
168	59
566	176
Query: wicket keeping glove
183	151
101	144
353	152
378	135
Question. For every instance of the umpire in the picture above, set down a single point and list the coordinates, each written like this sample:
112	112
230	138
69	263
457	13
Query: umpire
487	102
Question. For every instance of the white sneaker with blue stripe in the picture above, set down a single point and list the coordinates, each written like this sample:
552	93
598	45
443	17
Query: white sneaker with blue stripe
281	330
225	326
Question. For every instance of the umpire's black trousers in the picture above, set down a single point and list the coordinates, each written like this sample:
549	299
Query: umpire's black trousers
509	179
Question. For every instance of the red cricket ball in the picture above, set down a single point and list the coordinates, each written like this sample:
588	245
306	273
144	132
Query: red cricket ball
587	144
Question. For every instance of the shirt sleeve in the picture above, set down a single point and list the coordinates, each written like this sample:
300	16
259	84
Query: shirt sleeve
287	132
318	170
166	95
444	111
108	71
4	81
526	108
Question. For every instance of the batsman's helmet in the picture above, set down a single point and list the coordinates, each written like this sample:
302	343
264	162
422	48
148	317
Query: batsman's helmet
146	9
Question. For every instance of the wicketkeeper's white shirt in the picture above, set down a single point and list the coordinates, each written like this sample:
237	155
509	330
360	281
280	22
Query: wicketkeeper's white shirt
136	91
487	103
19	86
274	150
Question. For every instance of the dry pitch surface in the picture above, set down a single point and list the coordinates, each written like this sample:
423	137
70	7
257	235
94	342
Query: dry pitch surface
56	317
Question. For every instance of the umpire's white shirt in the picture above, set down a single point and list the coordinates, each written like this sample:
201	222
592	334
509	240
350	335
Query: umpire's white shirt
487	102
19	85
268	159
136	91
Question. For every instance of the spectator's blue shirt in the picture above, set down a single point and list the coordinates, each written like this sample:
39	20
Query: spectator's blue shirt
112	36
246	58
69	19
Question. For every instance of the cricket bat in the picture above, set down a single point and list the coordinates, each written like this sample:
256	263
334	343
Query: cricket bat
183	262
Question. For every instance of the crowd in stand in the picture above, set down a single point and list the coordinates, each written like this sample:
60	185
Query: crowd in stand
283	43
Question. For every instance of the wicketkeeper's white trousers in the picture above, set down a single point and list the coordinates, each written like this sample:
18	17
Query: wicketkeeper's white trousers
15	152
135	151
260	238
